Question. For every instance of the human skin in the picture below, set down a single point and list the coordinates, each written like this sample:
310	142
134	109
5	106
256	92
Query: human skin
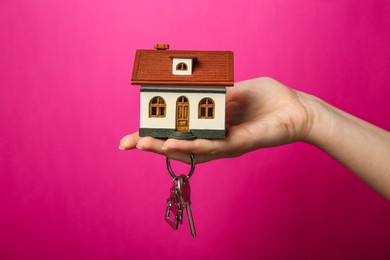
263	112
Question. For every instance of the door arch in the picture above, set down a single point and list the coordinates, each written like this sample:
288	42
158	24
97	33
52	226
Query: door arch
182	114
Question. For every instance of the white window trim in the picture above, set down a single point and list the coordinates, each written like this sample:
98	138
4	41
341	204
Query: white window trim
176	61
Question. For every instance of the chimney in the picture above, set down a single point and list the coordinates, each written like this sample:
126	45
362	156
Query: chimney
161	46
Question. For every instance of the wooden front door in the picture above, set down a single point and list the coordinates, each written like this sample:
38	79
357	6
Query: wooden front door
182	114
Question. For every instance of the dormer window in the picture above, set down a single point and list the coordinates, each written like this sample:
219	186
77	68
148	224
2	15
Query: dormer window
182	66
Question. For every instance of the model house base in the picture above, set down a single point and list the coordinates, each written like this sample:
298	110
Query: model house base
172	133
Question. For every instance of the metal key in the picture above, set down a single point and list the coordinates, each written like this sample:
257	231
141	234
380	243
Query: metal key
174	211
185	194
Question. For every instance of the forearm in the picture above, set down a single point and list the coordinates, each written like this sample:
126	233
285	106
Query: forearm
361	147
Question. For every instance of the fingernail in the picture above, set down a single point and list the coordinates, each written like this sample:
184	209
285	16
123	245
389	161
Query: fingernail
121	148
164	148
139	147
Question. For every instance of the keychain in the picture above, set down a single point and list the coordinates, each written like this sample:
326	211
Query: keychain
179	198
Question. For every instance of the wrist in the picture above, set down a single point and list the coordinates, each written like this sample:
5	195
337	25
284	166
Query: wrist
320	119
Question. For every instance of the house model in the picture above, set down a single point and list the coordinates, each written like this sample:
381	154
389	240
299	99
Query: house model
182	93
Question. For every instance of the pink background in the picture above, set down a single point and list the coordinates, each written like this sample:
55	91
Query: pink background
67	192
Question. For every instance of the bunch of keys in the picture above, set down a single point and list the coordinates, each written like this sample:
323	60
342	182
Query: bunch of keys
179	199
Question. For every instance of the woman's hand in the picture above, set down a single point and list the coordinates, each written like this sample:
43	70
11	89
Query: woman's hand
259	113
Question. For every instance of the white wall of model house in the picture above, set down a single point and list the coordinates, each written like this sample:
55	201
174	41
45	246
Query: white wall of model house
169	122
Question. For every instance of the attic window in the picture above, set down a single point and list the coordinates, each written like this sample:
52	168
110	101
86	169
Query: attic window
182	66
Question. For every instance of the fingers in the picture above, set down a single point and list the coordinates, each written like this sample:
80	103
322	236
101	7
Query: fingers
150	144
129	141
204	150
197	146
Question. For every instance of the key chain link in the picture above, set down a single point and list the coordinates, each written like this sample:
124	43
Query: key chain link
189	175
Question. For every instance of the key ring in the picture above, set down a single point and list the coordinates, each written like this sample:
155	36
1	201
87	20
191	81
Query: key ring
174	176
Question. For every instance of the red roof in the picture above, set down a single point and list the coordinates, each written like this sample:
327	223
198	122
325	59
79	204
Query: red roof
154	67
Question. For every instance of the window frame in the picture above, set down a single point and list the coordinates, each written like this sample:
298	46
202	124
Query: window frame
205	104
182	66
160	107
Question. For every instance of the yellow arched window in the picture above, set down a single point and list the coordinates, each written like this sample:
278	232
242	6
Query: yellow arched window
157	107
206	108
